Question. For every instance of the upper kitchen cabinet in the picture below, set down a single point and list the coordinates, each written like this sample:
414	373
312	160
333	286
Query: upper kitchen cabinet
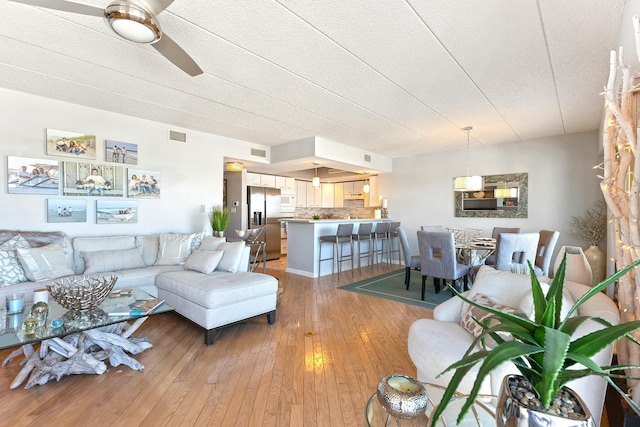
290	184
268	181
338	195
281	182
301	194
372	200
327	190
253	179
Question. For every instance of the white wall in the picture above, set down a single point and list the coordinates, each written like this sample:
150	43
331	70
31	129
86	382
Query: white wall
191	174
562	184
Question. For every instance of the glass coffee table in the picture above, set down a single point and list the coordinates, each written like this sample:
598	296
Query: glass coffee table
109	333
480	414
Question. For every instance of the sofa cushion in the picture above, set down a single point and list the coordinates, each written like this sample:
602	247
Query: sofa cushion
11	271
211	243
231	257
482	316
46	262
174	248
149	245
102	261
526	303
92	244
203	261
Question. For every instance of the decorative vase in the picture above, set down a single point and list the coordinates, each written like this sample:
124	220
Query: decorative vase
217	233
511	412
578	269
597	260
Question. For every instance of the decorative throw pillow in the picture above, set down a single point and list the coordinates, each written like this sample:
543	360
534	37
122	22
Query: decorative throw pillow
174	248
197	240
467	321
210	243
44	263
203	261
231	257
103	261
11	272
526	303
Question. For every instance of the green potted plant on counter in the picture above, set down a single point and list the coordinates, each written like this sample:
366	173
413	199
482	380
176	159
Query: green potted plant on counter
219	219
542	349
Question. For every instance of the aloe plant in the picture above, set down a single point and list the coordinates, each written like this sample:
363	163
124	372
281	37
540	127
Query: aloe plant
542	349
219	218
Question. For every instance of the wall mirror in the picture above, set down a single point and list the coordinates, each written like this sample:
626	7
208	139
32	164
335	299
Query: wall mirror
503	196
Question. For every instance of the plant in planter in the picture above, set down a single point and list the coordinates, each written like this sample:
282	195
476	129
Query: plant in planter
219	219
542	349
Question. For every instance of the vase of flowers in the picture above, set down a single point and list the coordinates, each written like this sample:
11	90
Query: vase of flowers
592	227
542	349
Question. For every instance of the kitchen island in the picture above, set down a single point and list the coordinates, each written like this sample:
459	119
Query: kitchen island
303	236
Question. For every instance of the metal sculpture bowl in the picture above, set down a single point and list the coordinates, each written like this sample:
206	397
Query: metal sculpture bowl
402	396
249	234
81	293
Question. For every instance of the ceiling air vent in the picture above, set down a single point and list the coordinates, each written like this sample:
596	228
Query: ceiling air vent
367	158
258	153
175	136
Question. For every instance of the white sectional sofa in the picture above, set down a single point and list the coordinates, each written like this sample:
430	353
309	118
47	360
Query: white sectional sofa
203	277
436	343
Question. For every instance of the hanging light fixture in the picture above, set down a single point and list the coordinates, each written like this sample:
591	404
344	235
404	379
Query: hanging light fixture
366	188
315	182
469	182
234	166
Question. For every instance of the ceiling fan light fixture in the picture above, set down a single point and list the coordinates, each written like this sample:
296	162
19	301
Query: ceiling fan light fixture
132	22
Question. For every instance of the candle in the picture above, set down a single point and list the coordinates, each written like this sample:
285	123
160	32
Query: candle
15	303
403	384
41	295
384	203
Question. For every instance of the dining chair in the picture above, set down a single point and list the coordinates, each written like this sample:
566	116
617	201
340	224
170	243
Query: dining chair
338	240
495	234
432	228
410	261
363	235
380	234
392	236
546	245
514	250
438	259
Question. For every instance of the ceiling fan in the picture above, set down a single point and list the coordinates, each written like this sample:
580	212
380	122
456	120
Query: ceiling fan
132	20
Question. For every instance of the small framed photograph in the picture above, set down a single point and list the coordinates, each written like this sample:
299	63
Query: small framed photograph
66	210
121	152
27	175
71	144
143	184
116	212
93	179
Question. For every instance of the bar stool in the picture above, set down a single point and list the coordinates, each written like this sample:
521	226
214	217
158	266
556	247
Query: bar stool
363	235
393	236
342	236
380	234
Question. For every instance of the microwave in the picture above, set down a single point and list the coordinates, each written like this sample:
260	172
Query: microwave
288	202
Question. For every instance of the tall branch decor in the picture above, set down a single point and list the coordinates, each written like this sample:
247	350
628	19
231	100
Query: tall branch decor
620	187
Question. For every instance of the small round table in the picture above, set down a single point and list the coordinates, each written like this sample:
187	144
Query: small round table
480	414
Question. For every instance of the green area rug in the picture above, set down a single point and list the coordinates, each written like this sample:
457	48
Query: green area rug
391	286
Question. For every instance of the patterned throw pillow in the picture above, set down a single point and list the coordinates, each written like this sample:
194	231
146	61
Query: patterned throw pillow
11	271
467	321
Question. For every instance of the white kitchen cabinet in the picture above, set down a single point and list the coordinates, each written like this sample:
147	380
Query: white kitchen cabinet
289	184
268	181
253	179
338	195
281	182
358	187
327	197
301	194
317	196
373	191
348	188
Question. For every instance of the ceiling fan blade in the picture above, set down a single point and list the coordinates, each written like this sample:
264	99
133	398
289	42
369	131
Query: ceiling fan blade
65	6
174	53
154	6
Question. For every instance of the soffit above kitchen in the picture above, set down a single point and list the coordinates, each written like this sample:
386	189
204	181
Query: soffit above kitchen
398	79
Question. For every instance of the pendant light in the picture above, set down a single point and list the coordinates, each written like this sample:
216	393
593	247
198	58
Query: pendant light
469	182
366	188
315	182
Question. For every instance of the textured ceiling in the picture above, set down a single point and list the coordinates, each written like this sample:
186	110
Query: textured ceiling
397	79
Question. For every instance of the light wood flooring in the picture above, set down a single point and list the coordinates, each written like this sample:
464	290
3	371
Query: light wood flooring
317	366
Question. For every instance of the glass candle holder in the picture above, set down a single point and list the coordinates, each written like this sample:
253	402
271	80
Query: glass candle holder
40	311
15	303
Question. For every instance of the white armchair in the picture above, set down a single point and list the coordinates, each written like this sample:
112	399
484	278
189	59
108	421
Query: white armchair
436	343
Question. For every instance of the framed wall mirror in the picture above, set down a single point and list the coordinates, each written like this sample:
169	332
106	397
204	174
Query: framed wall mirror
503	196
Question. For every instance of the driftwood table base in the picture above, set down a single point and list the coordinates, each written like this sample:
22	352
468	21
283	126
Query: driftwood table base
80	353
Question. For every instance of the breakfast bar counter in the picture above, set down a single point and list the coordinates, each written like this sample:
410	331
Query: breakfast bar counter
303	241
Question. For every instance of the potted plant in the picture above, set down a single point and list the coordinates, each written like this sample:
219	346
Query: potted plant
542	349
220	219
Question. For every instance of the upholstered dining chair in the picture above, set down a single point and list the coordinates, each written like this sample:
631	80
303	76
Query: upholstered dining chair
514	250
495	234
546	245
432	228
438	259
410	261
392	236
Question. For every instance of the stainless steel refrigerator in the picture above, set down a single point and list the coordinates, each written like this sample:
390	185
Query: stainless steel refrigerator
264	211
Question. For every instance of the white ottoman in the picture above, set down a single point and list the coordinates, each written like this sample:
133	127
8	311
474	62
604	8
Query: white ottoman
220	298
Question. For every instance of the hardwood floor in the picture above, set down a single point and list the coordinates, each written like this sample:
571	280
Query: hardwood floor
317	366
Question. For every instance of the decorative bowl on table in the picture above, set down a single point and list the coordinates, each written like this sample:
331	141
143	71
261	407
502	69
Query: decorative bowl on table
402	396
81	293
249	234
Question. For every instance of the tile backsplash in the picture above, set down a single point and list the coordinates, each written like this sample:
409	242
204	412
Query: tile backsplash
353	208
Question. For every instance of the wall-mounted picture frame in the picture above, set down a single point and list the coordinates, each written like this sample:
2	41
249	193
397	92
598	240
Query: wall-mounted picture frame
66	210
116	212
92	179
27	175
143	184
70	144
121	152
